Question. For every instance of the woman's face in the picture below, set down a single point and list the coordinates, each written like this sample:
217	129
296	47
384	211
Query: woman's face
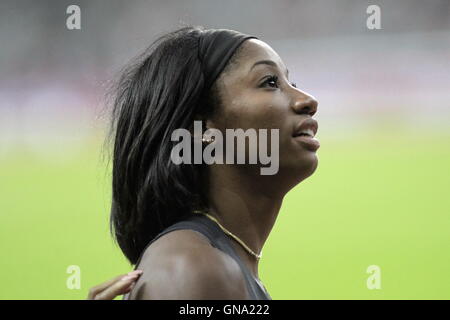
256	93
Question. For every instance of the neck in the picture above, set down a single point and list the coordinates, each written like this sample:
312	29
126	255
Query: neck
247	206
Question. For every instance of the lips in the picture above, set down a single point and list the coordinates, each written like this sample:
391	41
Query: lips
305	133
307	127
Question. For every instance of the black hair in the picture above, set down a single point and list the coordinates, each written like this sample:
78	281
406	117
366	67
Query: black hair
161	91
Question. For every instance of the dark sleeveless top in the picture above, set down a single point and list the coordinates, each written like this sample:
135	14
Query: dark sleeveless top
219	240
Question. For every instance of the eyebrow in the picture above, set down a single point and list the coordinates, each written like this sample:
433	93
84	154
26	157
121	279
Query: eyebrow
267	62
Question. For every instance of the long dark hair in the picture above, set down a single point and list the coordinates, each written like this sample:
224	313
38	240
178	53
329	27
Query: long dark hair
161	91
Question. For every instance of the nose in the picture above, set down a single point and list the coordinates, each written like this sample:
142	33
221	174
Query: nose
304	103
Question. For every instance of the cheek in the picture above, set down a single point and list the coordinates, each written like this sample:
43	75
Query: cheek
257	111
263	111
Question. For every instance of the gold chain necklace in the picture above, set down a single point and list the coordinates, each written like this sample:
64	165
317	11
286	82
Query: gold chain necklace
257	256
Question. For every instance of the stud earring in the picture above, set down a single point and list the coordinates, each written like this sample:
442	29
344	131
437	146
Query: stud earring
208	140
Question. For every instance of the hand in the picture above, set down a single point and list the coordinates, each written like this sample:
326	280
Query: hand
117	286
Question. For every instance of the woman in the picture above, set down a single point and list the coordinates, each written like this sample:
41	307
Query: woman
197	230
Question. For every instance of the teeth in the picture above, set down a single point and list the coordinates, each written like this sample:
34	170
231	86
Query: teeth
308	132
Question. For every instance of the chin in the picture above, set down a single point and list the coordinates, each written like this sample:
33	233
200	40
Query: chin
299	169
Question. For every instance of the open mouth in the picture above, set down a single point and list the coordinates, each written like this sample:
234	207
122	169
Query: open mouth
306	133
306	128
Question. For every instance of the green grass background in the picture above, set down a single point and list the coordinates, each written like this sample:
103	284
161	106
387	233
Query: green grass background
374	200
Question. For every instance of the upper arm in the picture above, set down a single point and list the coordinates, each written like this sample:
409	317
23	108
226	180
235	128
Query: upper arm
191	275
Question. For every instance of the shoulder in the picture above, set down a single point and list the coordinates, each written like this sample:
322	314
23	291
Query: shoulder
183	265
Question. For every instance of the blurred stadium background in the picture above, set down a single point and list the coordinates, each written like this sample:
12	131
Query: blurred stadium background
379	197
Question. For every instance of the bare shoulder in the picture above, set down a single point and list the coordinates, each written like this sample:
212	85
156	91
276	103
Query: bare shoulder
183	265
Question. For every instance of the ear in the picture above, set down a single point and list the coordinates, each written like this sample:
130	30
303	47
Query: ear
207	123
210	123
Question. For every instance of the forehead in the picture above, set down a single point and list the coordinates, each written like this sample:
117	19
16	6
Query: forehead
253	51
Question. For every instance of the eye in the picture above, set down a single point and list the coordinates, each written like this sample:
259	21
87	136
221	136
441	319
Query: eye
271	81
